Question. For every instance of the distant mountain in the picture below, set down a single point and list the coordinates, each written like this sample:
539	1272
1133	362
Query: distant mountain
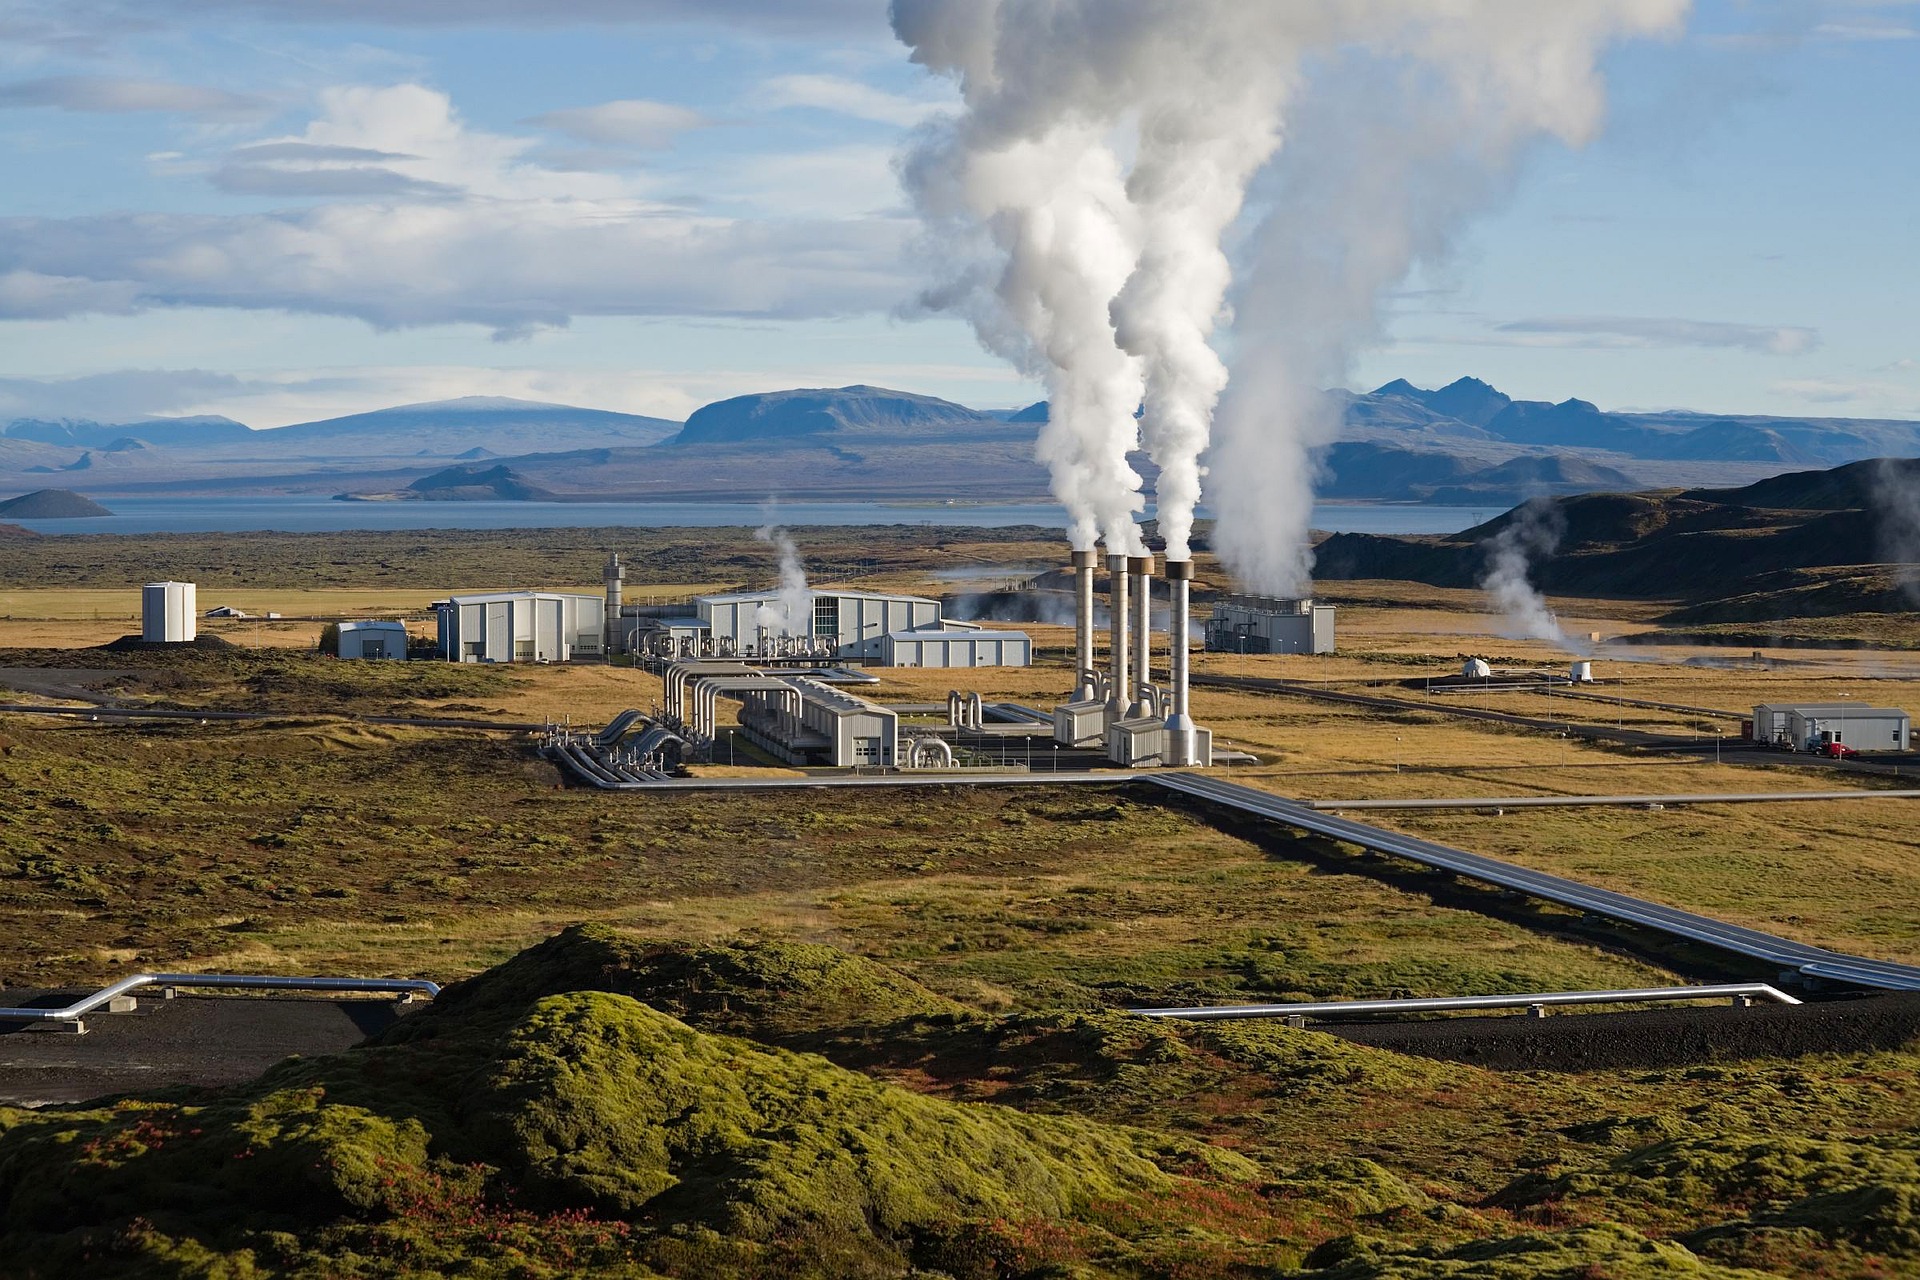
1383	473
782	415
81	433
451	428
52	504
1471	410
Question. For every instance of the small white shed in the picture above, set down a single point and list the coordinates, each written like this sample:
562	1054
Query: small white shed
373	638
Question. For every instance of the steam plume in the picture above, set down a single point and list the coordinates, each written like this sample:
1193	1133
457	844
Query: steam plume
1408	117
792	613
1532	530
1895	489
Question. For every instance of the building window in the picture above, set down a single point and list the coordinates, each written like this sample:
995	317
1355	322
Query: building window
826	616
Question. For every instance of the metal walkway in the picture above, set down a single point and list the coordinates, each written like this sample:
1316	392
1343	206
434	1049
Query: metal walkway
1790	956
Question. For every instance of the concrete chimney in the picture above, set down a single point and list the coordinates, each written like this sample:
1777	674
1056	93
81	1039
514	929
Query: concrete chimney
1118	698
1181	747
1084	563
1140	573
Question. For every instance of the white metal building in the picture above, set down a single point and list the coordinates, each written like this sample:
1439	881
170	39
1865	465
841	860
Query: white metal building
521	626
169	612
861	732
956	649
856	622
1267	624
1811	725
373	638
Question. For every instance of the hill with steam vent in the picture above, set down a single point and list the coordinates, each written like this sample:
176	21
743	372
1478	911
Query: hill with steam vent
1805	545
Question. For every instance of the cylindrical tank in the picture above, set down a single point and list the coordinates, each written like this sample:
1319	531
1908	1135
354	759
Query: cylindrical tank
1582	672
169	612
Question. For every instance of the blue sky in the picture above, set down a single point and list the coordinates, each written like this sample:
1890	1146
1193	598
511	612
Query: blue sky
287	209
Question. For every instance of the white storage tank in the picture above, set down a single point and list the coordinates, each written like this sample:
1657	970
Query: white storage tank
1476	669
169	612
1582	672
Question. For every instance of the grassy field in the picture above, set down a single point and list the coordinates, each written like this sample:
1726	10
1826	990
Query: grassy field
977	1107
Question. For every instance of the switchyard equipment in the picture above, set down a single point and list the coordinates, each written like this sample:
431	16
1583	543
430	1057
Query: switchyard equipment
1269	624
373	638
169	612
521	626
1823	726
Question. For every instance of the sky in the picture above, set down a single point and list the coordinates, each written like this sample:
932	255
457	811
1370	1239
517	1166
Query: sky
283	210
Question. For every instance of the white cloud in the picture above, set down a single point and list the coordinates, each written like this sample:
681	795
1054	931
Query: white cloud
126	94
1882	396
847	97
455	225
631	122
1658	331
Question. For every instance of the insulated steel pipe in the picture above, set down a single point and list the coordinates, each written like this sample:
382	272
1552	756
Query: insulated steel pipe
1140	583
1181	747
1084	563
1736	991
1119	695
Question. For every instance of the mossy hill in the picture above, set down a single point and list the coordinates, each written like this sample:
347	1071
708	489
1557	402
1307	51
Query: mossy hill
549	1118
1810	544
52	504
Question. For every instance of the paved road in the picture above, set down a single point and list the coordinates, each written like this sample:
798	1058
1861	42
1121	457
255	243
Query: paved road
1581	802
1787	955
188	1040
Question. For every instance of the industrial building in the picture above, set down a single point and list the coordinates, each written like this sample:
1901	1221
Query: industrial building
1268	624
521	626
851	623
373	638
1810	726
945	648
169	612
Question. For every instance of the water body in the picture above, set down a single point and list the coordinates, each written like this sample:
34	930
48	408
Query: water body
322	515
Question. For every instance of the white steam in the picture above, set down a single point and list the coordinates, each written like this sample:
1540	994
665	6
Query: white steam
1894	486
1104	157
791	612
1532	531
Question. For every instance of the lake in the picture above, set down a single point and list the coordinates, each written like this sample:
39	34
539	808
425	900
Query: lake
322	515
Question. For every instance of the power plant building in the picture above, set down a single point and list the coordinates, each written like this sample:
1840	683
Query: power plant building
944	648
169	612
1267	624
521	626
373	638
1811	725
854	623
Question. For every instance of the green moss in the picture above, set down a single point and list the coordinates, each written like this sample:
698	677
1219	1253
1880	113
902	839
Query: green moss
1594	1253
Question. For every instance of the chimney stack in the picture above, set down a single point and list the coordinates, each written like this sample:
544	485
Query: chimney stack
1140	571
1119	701
1084	563
615	576
1182	749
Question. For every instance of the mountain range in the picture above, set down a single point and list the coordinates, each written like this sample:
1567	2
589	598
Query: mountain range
1465	443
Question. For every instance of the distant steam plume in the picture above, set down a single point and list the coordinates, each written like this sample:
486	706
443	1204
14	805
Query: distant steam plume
1105	154
1896	498
1532	532
791	614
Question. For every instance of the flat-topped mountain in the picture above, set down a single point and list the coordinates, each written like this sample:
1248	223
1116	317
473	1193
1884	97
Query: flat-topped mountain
778	415
52	504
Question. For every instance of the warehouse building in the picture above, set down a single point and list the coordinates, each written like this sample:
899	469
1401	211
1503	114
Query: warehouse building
521	626
169	612
854	623
950	648
1268	624
373	638
1808	726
